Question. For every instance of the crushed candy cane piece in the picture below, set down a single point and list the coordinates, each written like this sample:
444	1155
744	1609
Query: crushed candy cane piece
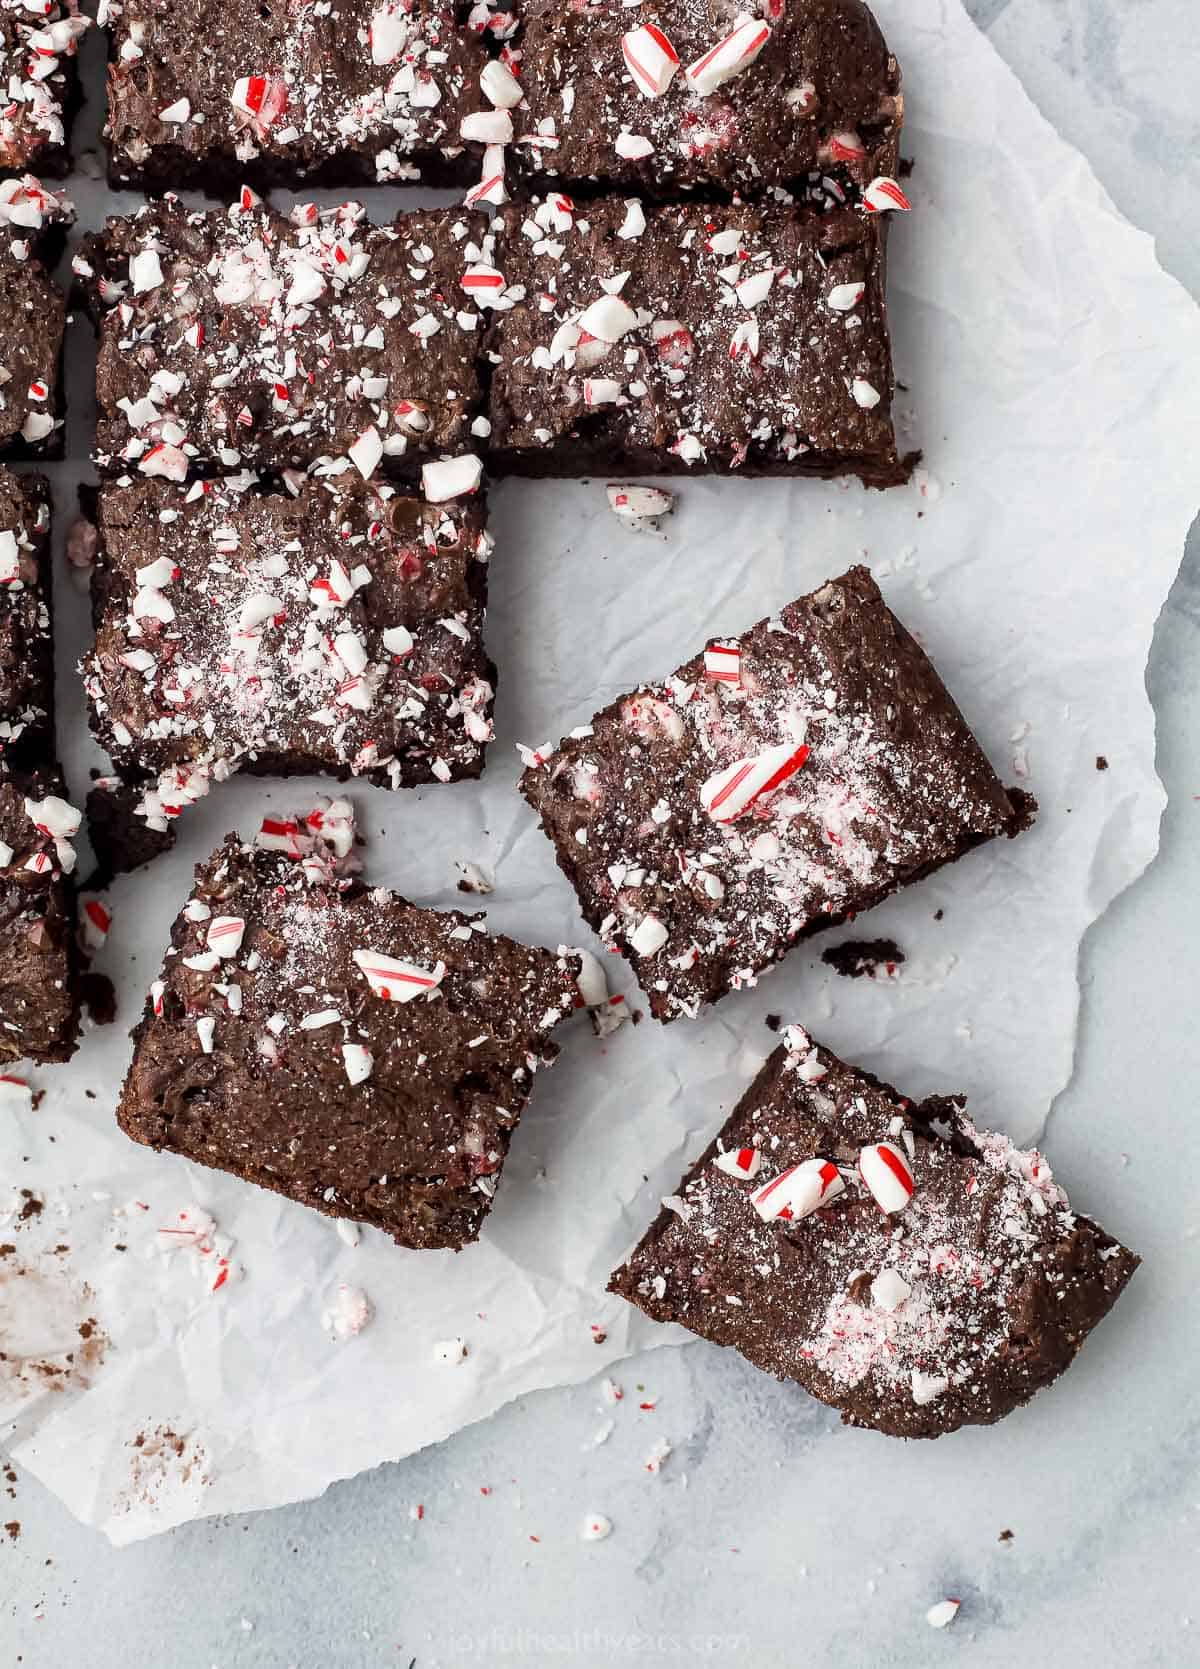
799	1191
885	1171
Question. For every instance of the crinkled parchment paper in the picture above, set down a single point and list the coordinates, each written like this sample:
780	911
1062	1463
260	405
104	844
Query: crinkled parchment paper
1049	372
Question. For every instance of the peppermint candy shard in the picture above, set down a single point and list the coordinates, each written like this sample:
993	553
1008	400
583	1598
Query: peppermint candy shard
639	504
723	663
741	1162
884	193
650	59
799	1191
885	1171
735	53
731	792
394	980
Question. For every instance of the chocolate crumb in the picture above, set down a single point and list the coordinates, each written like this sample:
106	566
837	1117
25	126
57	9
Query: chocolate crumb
1101	762
13	1530
773	1022
33	1207
1005	1536
99	998
857	957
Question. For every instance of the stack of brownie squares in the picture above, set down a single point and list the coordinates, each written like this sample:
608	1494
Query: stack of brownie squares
669	258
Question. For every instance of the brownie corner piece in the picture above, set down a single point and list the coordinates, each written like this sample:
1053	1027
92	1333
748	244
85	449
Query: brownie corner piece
899	1264
338	1044
774	785
39	965
705	100
750	338
337	628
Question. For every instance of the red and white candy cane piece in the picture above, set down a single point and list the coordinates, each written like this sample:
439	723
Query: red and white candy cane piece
885	1170
396	981
481	277
225	935
729	57
358	1061
884	193
608	319
743	1162
634	503
95	924
723	663
54	817
730	793
650	59
846	147
263	98
447	478
798	1191
499	85
487	127
279	834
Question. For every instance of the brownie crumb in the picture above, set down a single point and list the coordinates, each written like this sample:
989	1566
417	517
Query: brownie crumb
1005	1536
1101	762
857	957
773	1022
1025	808
13	1530
99	998
939	915
33	1207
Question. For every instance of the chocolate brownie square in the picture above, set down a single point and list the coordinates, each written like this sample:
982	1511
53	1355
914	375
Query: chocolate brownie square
339	630
26	644
39	1004
202	96
38	44
709	98
337	1044
901	1265
33	313
776	784
246	337
631	339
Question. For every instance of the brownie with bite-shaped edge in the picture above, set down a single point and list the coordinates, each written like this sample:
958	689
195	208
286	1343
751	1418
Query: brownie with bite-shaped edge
337	1044
38	44
202	96
26	640
244	337
339	630
709	98
33	314
908	1269
776	784
39	994
630	339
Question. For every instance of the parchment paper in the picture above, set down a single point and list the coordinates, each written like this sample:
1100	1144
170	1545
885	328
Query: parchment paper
1049	369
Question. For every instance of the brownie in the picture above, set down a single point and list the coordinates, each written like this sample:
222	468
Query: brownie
39	1007
38	44
202	96
33	314
903	1266
633	339
339	1045
776	784
816	93
339	630
246	337
26	645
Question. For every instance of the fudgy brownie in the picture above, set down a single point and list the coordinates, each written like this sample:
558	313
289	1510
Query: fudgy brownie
712	97
33	314
204	95
777	783
248	337
339	630
338	1044
26	646
39	1007
631	339
908	1269
38	42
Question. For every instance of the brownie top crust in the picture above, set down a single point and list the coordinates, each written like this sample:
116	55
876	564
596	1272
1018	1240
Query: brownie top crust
38	44
26	647
707	94
208	93
246	337
338	630
776	783
690	336
338	1044
903	1266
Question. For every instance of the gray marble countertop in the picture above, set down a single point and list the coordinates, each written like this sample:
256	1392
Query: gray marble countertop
720	1563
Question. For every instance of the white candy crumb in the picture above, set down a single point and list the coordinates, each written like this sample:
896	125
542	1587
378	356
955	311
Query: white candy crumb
348	1312
450	1352
596	1527
943	1613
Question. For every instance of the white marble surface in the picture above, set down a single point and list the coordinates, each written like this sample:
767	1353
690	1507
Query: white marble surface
741	1551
